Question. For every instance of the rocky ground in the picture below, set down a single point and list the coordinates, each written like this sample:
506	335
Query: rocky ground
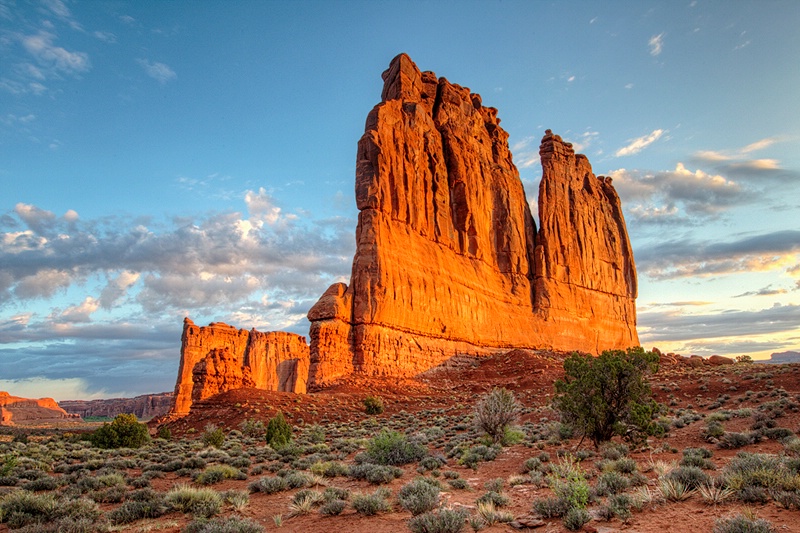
434	410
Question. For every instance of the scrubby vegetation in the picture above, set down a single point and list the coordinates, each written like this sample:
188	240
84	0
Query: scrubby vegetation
434	469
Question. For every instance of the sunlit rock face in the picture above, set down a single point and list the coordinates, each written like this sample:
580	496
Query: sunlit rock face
15	411
449	259
218	358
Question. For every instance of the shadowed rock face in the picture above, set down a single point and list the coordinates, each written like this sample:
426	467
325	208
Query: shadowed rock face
448	256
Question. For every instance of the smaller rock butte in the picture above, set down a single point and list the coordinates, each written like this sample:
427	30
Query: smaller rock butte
218	358
448	257
22	411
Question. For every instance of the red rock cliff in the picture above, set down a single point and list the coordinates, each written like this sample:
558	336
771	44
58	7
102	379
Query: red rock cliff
21	411
448	258
218	358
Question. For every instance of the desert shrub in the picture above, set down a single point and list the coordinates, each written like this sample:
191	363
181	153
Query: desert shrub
778	433
742	524
619	505
551	507
458	483
279	431
20	508
124	431
335	493
691	476
439	521
732	440
607	395
253	428
612	483
494	497
201	502
371	504
144	503
713	430
418	496
218	473
268	485
213	436
495	411
164	433
329	469
333	507
373	405
41	484
375	474
674	490
393	448
231	524
476	454
575	518
490	515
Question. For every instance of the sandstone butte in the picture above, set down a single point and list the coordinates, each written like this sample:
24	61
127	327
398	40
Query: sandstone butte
21	411
449	259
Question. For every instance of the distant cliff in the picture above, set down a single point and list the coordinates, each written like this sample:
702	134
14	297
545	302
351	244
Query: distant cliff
144	407
15	411
781	358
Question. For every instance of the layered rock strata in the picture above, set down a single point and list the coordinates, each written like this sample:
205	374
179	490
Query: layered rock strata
16	411
218	358
449	260
145	406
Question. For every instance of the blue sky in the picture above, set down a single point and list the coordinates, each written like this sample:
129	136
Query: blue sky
171	159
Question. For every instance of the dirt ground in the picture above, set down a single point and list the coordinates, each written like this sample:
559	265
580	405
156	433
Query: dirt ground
452	390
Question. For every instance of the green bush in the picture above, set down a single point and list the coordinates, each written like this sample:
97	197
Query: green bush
279	431
375	474
419	496
164	433
268	485
124	431
393	448
607	395
439	521
373	405
213	436
253	428
495	411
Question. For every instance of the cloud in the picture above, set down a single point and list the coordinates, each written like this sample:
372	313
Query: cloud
669	196
55	58
678	325
158	71
78	313
766	291
656	44
680	258
637	145
220	260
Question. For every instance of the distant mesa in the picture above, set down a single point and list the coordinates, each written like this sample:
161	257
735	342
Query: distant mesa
16	411
449	259
144	407
781	358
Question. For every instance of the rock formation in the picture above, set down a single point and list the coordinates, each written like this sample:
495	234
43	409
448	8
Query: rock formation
144	407
448	256
26	411
219	358
448	260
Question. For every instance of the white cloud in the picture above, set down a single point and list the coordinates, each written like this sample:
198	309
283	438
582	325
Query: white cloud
158	71
78	313
656	44
56	58
640	143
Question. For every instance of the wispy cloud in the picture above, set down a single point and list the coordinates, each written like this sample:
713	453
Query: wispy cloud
765	291
640	143
656	44
681	258
54	58
158	71
677	325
